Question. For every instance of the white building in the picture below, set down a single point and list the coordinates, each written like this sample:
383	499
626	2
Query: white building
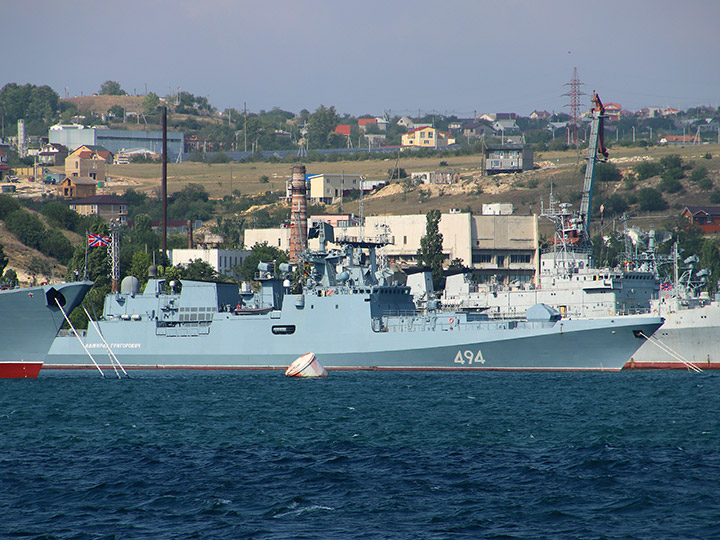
496	247
224	261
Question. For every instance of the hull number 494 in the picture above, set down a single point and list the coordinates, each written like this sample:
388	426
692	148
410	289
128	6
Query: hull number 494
469	357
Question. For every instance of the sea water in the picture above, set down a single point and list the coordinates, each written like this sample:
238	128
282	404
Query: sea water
360	455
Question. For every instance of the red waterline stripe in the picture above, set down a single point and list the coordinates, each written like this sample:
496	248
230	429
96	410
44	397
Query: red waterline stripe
349	368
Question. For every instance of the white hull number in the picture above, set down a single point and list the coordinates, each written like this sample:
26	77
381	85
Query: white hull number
469	357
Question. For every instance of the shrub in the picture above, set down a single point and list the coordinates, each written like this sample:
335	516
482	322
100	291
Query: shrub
670	185
715	197
651	200
706	184
676	173
27	227
54	244
647	169
673	161
8	205
698	173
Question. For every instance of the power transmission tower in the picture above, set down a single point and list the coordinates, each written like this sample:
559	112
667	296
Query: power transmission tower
574	94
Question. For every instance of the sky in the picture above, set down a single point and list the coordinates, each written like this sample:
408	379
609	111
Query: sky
448	57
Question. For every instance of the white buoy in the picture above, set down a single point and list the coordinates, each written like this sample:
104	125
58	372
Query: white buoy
306	366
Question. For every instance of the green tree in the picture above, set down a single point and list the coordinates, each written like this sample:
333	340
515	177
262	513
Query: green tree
151	103
26	227
55	245
117	111
111	88
10	277
60	215
199	270
698	173
605	172
320	125
651	200
647	169
8	205
141	262
3	260
430	252
260	253
673	161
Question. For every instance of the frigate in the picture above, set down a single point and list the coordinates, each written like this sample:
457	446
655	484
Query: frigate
344	307
31	318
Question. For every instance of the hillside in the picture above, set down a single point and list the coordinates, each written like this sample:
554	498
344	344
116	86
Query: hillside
102	104
525	191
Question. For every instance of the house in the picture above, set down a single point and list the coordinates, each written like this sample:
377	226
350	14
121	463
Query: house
88	163
406	122
426	137
365	123
375	140
328	188
677	140
507	158
106	206
613	111
540	115
99	151
77	186
476	129
343	129
53	154
705	217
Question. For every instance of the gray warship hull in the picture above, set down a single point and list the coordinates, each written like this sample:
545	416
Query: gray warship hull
345	328
31	319
690	334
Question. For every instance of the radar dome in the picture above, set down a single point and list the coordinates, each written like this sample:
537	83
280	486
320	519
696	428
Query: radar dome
129	285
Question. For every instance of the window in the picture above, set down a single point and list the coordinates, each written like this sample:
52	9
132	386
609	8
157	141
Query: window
479	258
404	240
519	258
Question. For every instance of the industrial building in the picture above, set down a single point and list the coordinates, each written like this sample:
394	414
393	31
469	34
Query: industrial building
116	140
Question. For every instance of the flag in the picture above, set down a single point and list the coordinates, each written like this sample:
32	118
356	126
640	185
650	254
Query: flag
95	240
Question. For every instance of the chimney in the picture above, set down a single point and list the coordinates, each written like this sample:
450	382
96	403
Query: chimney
298	213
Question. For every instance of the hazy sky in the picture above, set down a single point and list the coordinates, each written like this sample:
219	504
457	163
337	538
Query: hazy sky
448	56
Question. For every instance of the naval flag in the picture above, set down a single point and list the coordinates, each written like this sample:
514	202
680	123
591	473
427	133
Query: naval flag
95	240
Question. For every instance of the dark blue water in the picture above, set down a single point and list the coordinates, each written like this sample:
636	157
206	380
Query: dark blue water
368	455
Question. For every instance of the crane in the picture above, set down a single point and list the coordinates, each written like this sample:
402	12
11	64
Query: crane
596	146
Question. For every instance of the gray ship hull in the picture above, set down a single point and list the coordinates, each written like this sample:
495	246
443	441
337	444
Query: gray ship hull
690	334
31	319
341	333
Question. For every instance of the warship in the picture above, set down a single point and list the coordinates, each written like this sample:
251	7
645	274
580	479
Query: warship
348	310
568	281
690	336
32	317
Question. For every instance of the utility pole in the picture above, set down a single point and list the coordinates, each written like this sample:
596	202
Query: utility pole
164	181
245	109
